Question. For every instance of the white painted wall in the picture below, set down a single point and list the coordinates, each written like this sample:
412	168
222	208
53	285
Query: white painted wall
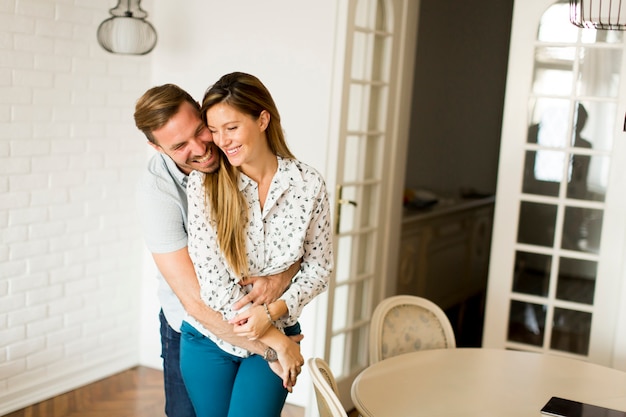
77	290
287	44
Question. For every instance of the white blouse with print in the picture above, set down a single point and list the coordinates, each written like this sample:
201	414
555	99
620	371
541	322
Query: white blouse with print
294	224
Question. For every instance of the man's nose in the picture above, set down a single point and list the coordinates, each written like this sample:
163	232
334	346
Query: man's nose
198	146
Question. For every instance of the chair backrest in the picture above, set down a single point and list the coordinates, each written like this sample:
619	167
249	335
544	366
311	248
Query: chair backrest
406	323
328	403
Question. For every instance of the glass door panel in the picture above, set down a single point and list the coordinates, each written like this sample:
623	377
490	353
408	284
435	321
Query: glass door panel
537	224
532	273
571	331
527	323
576	280
598	74
566	166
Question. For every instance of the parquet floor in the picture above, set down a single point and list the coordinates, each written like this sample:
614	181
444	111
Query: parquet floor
137	392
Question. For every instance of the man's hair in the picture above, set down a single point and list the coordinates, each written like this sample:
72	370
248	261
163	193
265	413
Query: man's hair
157	106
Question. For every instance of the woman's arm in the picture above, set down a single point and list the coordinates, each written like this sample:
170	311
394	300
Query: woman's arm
317	254
314	245
290	360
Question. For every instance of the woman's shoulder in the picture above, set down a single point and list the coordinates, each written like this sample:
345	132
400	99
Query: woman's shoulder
195	181
306	170
305	177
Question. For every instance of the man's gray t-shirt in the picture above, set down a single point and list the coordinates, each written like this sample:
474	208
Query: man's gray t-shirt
162	203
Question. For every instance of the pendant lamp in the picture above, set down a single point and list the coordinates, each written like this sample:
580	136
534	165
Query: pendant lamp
598	14
126	31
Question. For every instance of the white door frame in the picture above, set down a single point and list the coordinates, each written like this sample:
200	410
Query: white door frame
400	101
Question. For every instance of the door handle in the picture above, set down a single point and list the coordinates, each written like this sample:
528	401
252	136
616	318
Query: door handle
347	202
340	202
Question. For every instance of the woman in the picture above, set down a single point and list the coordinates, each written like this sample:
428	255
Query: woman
262	212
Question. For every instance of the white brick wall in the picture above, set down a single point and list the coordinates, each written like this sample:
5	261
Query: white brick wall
70	250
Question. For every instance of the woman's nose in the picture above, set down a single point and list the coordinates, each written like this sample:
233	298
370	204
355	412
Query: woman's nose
219	139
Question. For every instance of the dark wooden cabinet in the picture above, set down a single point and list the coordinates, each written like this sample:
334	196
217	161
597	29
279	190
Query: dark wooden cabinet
444	254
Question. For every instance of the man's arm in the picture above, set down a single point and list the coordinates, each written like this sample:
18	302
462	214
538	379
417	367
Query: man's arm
177	269
266	290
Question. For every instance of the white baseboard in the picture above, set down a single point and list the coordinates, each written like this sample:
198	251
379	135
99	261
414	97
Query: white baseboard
44	389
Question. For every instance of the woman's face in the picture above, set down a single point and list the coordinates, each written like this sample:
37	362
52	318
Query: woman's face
241	137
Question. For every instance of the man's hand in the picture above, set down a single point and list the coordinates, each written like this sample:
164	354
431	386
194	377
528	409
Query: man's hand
297	338
266	290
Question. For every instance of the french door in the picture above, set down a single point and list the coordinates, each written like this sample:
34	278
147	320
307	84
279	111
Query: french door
557	261
373	134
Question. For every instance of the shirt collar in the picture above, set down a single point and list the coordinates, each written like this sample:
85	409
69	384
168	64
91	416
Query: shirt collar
287	174
177	174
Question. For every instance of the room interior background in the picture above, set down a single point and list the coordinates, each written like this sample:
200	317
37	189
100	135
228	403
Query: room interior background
76	285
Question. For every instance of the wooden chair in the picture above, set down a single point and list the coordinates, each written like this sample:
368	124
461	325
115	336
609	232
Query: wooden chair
406	323
328	403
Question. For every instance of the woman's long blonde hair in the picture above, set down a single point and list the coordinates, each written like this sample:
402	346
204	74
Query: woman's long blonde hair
228	211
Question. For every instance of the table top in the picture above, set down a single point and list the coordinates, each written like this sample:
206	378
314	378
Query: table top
481	382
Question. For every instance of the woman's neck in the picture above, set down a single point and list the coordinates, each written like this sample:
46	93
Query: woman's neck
261	169
262	172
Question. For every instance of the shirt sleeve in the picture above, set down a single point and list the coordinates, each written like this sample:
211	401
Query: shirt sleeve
317	258
162	212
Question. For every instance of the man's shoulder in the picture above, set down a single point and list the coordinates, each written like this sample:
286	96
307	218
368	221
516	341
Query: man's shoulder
158	177
157	166
157	171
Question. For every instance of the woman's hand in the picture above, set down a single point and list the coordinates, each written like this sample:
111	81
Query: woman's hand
291	362
252	323
277	368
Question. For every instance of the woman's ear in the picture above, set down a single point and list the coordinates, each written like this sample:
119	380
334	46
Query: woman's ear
264	120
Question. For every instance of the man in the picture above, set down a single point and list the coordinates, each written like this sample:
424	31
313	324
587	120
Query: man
170	119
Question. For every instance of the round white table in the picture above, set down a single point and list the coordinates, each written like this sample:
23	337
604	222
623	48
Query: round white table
481	382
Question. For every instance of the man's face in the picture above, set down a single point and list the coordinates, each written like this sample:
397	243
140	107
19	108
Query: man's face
186	140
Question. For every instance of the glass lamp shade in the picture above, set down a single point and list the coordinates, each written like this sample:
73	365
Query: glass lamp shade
127	31
598	14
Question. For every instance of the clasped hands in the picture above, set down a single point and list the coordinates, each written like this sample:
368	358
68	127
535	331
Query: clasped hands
254	322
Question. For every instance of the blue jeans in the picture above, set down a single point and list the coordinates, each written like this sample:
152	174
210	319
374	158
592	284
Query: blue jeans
177	402
225	385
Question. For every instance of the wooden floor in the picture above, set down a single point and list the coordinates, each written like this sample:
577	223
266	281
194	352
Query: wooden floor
137	392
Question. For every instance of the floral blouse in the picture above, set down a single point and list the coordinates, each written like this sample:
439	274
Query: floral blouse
294	224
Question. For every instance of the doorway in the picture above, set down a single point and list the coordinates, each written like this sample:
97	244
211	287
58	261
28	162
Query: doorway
458	99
